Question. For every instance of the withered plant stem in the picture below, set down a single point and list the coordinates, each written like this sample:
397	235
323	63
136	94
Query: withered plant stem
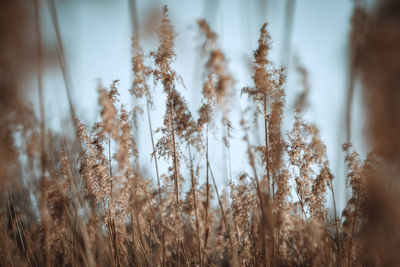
227	228
259	194
175	156
61	59
336	222
154	149
352	231
40	89
195	205
266	143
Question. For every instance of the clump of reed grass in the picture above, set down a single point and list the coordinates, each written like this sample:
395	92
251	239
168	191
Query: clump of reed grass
84	199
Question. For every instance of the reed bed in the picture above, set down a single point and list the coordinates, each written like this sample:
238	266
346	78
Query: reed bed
83	199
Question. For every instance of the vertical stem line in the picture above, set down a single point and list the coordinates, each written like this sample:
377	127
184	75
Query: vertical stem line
154	149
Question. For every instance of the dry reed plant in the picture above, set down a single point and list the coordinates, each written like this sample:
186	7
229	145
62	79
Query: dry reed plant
83	200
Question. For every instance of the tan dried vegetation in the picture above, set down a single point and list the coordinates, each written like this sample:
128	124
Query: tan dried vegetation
83	200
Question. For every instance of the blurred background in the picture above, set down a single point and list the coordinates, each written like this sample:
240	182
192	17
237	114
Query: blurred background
96	47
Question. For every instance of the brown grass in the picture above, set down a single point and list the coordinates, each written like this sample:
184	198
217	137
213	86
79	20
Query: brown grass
83	200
